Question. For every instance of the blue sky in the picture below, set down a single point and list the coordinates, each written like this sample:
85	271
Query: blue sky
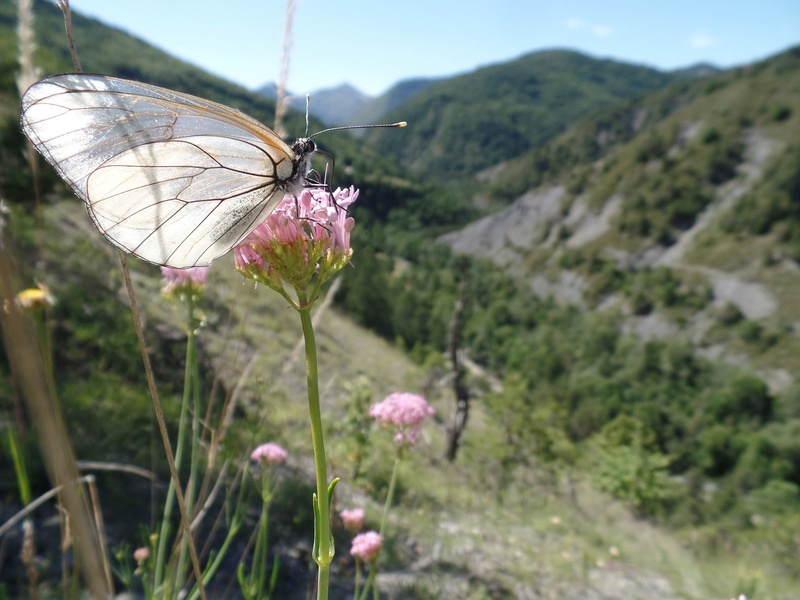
372	44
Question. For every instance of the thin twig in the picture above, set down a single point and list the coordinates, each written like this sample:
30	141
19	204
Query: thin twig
223	471
29	73
94	465
162	425
230	406
73	50
98	523
282	102
34	505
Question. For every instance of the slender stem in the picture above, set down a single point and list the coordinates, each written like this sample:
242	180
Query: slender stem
260	554
356	595
370	583
325	549
162	424
191	393
390	492
217	559
193	370
166	522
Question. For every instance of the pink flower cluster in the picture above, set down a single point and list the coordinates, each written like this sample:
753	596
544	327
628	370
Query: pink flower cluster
405	411
270	453
367	546
196	275
181	280
353	519
302	231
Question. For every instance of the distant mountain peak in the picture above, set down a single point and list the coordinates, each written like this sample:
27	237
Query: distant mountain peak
374	110
334	105
698	70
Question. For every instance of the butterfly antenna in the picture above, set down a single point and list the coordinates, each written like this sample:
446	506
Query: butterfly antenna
308	101
380	125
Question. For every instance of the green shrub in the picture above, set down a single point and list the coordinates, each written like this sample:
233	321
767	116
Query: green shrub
630	469
718	449
776	497
779	113
760	462
729	314
746	399
750	331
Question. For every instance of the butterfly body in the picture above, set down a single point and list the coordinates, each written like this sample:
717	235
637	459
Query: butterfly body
168	177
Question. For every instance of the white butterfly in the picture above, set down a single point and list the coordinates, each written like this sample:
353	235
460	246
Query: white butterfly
168	177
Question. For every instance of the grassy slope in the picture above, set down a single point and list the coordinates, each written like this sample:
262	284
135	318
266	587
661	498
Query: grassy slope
453	533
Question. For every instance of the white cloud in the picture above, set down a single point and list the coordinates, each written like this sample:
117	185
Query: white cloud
700	39
575	24
601	30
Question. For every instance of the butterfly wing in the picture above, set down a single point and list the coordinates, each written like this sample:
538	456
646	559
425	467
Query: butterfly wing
170	178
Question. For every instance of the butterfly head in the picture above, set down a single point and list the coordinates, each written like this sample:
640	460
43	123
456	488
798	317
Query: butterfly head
303	147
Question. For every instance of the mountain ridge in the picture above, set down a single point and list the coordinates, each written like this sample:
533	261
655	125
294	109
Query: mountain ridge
351	106
470	122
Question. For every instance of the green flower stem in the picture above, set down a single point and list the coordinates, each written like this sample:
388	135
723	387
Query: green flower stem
192	385
390	492
163	538
260	554
324	546
370	583
18	456
356	595
164	532
148	591
216	559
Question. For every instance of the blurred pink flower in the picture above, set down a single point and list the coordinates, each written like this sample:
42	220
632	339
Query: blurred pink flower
306	235
140	555
353	518
270	453
405	411
176	281
367	546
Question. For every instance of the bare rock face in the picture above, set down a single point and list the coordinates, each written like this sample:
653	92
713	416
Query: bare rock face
503	236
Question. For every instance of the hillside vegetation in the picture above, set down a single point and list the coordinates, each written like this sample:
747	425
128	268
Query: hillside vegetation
468	123
629	327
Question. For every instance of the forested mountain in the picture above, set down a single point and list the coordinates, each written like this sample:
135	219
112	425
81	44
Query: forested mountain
622	245
473	121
